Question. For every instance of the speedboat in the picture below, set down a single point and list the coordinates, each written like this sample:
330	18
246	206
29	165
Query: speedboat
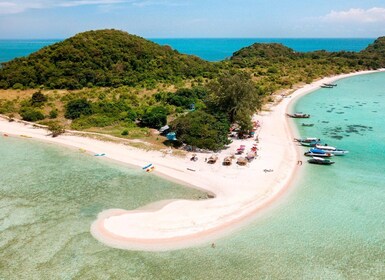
318	153
339	152
333	150
322	161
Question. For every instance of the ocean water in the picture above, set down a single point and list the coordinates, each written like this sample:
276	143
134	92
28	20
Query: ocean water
211	49
10	49
222	48
330	225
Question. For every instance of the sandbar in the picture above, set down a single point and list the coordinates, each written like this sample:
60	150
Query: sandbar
239	192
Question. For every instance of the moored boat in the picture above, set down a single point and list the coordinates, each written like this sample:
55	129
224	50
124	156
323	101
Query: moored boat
308	142
317	153
333	150
308	139
299	115
321	161
339	152
330	85
325	147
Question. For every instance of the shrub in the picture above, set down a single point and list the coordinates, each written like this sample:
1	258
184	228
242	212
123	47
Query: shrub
55	128
125	132
53	114
31	114
17	86
76	108
38	99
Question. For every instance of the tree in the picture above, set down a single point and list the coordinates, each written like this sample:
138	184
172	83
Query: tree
201	129
76	108
155	117
55	128
234	95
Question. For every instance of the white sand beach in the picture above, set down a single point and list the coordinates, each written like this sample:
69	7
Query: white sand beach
240	191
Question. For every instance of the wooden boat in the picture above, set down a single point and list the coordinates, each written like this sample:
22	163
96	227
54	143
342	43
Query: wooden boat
321	161
326	86
227	161
307	124
308	139
213	159
330	85
308	142
299	115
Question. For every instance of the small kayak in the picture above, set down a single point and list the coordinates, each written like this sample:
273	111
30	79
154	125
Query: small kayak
99	155
147	166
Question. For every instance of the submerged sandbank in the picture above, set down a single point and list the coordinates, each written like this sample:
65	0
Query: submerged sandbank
240	191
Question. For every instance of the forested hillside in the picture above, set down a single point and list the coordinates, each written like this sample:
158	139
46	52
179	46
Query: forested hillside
112	82
107	58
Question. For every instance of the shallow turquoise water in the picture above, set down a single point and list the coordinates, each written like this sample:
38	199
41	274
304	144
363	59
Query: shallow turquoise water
330	225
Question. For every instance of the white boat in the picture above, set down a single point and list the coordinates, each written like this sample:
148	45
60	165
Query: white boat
325	147
339	152
333	150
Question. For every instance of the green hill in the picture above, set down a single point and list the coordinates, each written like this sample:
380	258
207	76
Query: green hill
102	58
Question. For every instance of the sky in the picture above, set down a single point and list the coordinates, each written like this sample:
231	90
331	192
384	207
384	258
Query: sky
59	19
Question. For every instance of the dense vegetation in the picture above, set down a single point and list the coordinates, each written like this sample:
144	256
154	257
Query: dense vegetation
275	66
124	85
107	58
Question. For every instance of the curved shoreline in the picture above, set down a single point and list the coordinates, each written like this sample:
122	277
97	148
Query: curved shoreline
241	192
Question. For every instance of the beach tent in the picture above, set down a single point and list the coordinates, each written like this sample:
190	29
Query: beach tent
164	129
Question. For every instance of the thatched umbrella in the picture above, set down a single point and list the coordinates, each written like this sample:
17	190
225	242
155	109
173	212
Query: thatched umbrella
242	161
212	159
227	161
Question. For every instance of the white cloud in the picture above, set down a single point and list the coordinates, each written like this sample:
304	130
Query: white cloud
147	3
372	15
19	6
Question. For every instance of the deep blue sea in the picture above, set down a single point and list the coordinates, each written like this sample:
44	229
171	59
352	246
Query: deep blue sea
208	49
